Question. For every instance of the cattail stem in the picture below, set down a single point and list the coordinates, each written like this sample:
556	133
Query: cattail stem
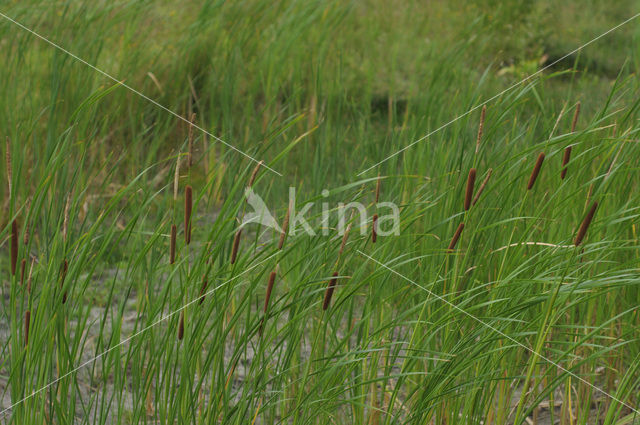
25	235
181	326
582	231
329	292
188	205
236	245
471	180
27	321
482	186
33	262
9	167
567	152
536	171
377	189
481	128
190	155
203	289
456	236
172	244
374	229
14	246
285	228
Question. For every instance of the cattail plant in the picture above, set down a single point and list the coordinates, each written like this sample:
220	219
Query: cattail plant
188	205
27	320
329	292
377	189
536	171
14	246
456	236
567	152
285	228
272	279
582	231
172	244
471	180
481	127
63	274
181	326
482	186
344	240
254	174
236	245
374	228
203	289
267	297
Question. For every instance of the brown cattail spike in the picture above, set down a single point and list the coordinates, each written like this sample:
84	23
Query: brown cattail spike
344	240
565	160
536	171
188	205
482	186
481	127
14	246
329	292
471	181
203	289
374	229
582	231
272	279
236	245
65	223
576	114
181	326
285	228
172	244
23	265
27	320
254	174
456	236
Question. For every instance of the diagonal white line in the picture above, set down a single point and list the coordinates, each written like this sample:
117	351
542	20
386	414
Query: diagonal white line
130	337
501	93
498	331
164	108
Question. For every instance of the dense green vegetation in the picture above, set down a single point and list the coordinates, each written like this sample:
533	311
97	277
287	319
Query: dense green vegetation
514	324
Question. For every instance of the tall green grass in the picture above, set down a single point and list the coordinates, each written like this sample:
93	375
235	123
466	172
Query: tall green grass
320	91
